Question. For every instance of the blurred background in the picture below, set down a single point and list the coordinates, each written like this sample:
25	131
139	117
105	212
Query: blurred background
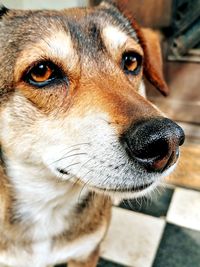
47	4
163	231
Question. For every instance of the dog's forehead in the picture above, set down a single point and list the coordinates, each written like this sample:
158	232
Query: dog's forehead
86	26
91	24
69	38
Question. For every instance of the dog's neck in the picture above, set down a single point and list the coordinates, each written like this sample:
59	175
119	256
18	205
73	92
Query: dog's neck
41	198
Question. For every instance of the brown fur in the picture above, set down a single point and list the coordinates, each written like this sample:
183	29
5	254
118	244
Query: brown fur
97	84
150	43
91	262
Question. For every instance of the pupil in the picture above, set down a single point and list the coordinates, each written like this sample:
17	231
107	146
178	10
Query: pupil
130	60
41	70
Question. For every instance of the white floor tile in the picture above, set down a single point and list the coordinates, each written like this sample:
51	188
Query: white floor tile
184	209
132	238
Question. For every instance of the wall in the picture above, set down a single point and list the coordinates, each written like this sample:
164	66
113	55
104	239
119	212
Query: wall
46	4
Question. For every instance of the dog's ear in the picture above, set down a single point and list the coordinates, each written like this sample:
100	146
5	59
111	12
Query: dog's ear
3	10
151	46
153	67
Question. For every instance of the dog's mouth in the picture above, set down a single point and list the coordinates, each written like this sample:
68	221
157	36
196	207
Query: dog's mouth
62	171
134	189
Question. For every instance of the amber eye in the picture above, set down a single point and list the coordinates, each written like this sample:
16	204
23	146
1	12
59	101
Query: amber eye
43	73
131	63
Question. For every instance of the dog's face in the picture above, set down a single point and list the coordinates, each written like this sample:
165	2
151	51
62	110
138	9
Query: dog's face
70	84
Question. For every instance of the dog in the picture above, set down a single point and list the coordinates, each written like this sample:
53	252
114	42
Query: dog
76	131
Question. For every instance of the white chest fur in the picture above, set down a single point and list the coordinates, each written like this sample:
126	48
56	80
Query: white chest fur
46	206
42	202
41	254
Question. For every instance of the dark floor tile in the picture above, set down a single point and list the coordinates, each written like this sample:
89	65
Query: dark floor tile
106	263
156	206
101	263
179	247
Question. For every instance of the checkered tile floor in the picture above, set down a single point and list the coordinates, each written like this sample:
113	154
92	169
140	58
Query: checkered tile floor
163	231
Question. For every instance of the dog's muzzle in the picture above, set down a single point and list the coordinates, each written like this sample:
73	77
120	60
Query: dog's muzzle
154	143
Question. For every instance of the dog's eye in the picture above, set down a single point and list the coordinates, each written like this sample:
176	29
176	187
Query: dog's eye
131	63
42	74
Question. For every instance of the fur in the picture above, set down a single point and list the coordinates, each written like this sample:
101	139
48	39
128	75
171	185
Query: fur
61	158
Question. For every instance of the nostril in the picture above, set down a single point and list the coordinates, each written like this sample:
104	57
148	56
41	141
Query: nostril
155	149
154	156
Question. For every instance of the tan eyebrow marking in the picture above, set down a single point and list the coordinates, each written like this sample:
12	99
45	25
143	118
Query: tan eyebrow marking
114	37
58	47
118	41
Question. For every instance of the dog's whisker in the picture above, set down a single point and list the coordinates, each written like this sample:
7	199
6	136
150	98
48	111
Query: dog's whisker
75	176
139	202
84	165
75	145
66	154
72	146
70	165
84	185
69	156
53	162
130	204
74	155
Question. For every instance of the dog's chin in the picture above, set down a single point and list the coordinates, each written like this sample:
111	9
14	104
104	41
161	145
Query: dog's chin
125	191
118	194
146	190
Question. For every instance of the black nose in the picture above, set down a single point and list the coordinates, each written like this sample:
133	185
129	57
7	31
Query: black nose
154	143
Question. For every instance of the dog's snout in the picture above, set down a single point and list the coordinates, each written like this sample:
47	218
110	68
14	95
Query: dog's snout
154	143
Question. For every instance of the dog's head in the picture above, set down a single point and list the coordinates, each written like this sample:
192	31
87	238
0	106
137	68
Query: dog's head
71	102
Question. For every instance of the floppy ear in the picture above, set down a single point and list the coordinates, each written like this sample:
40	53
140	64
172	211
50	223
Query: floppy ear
153	67
151	46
